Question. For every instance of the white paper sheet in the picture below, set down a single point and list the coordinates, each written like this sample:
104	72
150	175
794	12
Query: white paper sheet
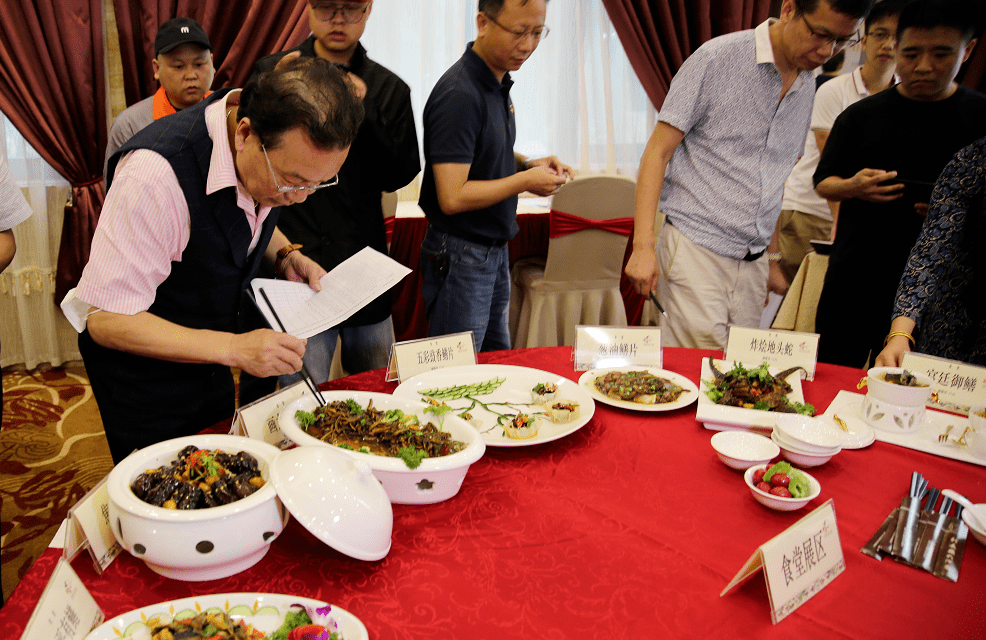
345	290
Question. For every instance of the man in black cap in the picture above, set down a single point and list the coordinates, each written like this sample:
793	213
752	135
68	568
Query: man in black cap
183	65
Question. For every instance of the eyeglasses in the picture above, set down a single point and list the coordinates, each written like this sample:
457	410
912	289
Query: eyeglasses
537	33
825	39
315	187
881	35
351	13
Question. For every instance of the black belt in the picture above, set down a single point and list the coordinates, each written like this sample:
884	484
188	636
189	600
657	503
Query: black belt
749	257
472	239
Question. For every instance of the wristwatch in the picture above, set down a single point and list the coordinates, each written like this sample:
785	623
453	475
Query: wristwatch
282	253
774	256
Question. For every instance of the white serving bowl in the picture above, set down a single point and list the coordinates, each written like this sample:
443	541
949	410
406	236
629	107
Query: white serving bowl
979	534
799	447
976	439
800	458
808	434
199	544
896	394
776	502
435	480
742	449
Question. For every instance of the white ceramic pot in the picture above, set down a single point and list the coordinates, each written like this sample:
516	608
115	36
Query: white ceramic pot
435	480
199	544
894	418
896	394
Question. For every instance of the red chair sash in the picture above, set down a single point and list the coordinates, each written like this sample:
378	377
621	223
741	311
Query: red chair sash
563	224
388	226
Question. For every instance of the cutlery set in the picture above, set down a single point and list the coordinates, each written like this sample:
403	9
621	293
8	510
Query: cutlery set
923	537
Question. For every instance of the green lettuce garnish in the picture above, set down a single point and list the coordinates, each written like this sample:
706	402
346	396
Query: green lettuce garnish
780	467
798	486
304	418
439	410
714	394
801	407
412	457
354	407
292	619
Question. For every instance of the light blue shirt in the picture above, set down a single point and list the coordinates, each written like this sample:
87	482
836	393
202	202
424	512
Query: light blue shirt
725	182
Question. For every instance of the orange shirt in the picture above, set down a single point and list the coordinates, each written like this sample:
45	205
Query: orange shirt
162	106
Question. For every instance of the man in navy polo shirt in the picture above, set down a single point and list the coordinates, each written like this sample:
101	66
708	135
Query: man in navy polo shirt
472	176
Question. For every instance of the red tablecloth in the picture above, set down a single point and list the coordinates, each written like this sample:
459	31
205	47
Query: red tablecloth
628	528
406	235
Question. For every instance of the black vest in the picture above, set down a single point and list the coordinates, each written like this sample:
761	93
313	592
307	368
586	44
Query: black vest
205	289
144	400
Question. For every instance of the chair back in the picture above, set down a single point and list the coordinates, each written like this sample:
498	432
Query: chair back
590	254
388	200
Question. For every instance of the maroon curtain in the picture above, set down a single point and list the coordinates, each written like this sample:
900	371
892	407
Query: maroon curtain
52	89
659	34
241	31
973	73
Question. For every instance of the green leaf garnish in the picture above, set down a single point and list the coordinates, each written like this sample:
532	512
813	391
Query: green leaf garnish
304	418
412	457
799	485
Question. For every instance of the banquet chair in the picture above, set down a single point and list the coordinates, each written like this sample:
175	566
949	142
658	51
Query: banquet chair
388	202
591	221
800	304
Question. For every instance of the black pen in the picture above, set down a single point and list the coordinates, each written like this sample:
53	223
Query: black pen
657	304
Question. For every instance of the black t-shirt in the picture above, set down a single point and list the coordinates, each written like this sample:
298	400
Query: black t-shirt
890	132
335	223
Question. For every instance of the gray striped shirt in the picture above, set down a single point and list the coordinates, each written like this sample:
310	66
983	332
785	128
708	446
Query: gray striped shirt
725	182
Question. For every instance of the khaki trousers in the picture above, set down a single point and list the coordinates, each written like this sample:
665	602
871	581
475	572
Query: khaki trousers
796	230
704	293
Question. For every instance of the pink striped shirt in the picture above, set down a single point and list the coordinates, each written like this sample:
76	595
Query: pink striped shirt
144	225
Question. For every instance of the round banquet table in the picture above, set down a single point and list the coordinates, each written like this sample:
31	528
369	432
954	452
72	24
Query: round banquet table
628	528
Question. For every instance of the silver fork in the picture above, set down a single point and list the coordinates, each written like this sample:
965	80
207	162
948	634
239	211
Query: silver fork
943	438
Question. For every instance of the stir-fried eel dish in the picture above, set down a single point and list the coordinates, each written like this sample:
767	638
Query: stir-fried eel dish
200	478
754	389
346	424
638	386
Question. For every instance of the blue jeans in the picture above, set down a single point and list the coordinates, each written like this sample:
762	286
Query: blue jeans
466	287
364	348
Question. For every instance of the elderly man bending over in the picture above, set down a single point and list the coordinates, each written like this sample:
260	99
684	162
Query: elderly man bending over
191	211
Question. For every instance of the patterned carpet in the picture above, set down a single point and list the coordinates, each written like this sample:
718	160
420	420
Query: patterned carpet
52	452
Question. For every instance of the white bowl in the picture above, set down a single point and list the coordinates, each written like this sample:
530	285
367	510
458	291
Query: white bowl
200	544
435	480
811	435
742	449
979	534
800	458
897	394
785	443
976	439
776	502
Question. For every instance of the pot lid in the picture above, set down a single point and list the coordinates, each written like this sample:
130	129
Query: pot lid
337	498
